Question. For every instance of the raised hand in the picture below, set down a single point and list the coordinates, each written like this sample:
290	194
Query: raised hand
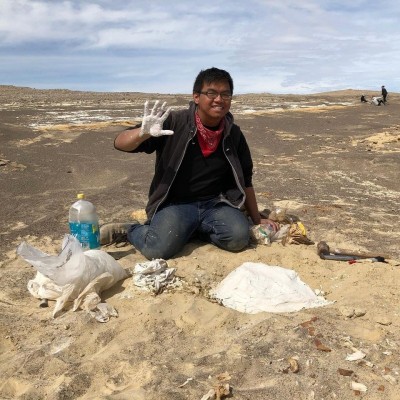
152	123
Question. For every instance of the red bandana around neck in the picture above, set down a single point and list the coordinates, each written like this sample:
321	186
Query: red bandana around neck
208	139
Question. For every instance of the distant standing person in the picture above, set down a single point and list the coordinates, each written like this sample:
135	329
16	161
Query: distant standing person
384	94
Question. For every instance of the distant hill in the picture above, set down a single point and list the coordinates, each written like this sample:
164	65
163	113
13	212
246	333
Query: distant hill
336	93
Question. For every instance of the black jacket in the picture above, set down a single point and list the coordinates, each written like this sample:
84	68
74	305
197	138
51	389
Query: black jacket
170	150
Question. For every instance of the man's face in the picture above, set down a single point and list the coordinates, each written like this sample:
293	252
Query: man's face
211	111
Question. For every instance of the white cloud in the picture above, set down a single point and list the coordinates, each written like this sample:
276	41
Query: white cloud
286	46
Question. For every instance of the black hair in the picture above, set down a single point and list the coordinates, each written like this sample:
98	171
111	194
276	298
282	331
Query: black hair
211	75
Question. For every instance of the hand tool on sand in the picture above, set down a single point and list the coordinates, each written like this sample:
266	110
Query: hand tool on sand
360	254
324	252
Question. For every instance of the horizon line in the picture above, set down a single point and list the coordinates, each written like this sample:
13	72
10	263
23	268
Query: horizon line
189	94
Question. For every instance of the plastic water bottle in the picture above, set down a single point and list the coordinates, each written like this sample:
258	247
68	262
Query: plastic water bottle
84	223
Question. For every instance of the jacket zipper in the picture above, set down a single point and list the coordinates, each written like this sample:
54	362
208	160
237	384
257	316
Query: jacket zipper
236	180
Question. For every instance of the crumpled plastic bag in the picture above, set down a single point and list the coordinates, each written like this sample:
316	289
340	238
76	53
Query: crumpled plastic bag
71	275
154	275
265	234
294	233
255	287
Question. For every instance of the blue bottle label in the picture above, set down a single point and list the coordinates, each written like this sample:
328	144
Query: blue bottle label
88	234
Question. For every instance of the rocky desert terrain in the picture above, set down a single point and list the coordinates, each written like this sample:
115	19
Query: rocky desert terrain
326	158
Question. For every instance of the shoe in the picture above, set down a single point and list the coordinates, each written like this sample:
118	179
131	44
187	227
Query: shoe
115	233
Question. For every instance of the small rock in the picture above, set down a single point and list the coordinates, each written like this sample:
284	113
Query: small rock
390	379
195	290
358	386
365	362
383	320
357	355
320	346
347	311
359	312
294	365
345	372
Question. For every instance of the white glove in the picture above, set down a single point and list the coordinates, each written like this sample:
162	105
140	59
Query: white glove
152	123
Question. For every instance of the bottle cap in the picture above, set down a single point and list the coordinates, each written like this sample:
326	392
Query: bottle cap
80	196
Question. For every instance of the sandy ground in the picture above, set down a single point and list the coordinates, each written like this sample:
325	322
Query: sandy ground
329	160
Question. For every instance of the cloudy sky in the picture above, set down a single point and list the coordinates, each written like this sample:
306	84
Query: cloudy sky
276	46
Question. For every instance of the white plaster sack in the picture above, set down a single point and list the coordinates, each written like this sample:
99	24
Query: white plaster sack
256	287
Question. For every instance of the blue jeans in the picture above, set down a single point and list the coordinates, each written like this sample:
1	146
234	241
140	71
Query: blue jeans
175	224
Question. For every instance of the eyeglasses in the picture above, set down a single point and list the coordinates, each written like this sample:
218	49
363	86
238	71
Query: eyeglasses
211	94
